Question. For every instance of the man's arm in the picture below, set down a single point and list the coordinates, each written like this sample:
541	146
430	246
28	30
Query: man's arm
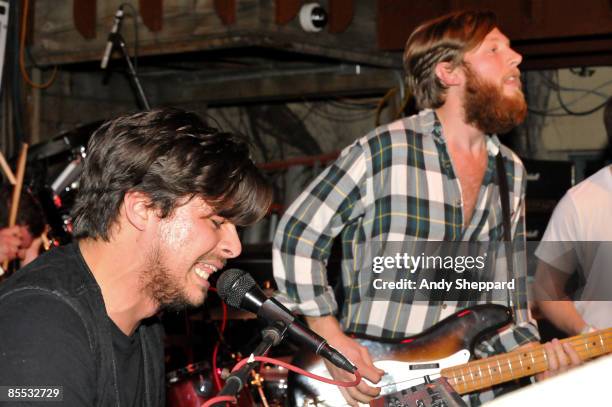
329	328
300	252
44	343
561	311
558	260
306	231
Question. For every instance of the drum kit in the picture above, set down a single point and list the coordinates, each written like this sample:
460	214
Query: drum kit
53	170
193	384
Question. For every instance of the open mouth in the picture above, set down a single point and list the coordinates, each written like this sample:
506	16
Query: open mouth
513	80
204	270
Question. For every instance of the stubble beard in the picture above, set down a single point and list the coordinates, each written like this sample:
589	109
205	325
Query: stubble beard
161	286
488	109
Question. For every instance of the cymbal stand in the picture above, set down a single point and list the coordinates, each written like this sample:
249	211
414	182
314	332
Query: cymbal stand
272	335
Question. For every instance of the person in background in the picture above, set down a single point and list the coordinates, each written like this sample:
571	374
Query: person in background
578	239
23	241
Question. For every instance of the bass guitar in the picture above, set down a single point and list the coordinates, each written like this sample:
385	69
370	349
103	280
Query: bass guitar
443	351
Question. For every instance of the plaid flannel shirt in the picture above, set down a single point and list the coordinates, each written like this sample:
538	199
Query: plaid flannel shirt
396	183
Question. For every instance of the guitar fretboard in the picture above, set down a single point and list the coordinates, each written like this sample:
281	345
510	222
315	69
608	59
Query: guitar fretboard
487	372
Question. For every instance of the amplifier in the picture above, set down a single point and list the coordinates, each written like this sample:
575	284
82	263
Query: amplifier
547	182
437	393
548	179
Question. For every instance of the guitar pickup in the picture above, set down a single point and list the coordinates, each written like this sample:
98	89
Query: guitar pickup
423	366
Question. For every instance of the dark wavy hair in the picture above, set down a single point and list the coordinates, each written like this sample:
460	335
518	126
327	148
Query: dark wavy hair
444	39
168	154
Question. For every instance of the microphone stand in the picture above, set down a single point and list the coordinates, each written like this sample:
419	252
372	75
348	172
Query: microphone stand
119	42
272	335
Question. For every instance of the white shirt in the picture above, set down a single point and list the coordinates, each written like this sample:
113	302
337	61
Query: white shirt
579	237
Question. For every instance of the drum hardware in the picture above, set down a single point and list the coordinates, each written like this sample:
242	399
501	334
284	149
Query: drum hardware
273	381
68	178
257	382
54	168
192	385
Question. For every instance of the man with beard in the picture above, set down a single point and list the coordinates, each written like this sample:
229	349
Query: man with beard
429	177
158	203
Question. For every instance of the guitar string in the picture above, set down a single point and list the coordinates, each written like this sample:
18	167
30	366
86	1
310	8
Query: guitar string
521	355
541	362
433	376
540	355
578	343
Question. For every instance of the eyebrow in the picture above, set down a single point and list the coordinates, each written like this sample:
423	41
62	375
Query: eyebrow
498	38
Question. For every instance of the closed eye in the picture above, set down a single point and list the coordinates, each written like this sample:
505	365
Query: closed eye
217	222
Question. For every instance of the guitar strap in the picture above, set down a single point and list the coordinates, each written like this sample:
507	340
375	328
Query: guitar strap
504	196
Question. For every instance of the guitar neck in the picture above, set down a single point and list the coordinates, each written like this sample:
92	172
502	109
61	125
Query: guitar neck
487	372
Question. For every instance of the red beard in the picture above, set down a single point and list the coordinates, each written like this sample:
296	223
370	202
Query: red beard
488	109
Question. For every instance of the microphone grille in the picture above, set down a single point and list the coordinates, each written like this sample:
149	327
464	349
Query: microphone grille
233	285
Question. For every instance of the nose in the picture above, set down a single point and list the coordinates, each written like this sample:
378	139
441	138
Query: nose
230	244
515	58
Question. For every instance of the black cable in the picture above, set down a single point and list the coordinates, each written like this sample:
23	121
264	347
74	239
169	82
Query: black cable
308	112
547	113
573	113
557	88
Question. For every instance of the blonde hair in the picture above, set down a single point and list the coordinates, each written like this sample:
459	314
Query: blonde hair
444	39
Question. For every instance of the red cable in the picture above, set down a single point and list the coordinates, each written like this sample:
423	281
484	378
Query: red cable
216	376
219	399
297	370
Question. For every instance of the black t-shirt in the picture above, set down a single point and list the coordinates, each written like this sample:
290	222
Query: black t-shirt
43	342
128	354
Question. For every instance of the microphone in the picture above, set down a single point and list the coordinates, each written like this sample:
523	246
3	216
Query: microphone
239	290
109	43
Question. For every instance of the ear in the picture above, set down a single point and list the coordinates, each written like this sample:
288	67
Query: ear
136	206
448	74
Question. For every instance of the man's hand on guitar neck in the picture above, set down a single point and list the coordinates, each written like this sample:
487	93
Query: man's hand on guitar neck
329	328
560	357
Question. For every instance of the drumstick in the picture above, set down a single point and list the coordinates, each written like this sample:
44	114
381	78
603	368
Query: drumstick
21	164
7	170
45	241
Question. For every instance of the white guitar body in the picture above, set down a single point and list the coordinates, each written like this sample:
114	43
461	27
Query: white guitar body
407	361
398	376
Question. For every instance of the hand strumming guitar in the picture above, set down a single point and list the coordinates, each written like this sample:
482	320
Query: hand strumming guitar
329	328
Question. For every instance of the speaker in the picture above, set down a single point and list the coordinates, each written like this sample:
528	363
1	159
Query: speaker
547	182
